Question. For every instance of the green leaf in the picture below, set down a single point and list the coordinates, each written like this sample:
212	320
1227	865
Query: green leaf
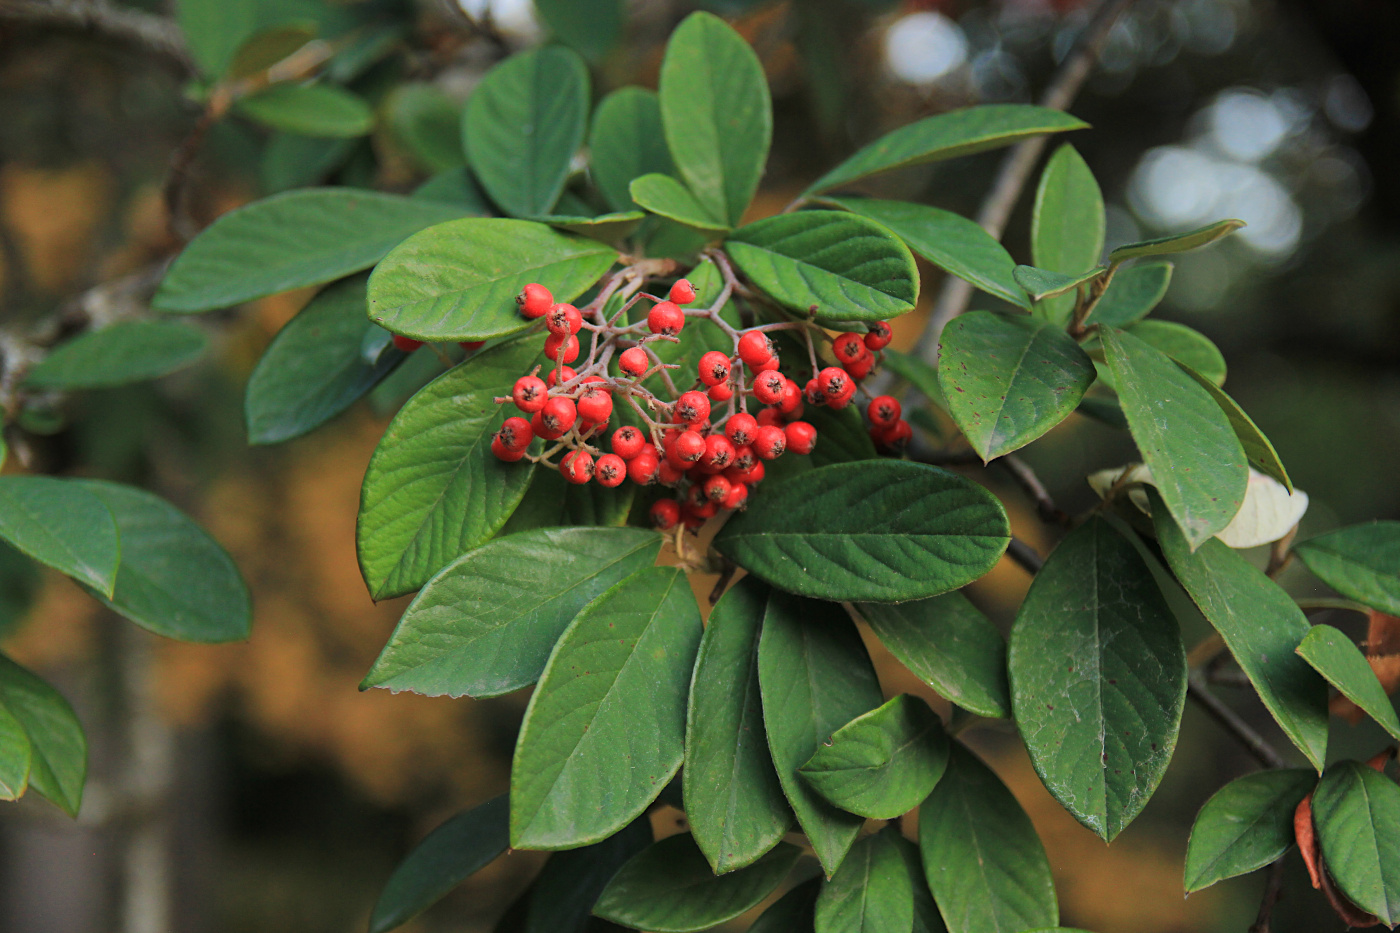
1184	436
1336	657
662	194
15	757
949	645
61	524
1131	294
1067	223
669	887
1098	678
605	728
522	126
793	912
163	551
427	123
1176	243
877	531
733	800
590	27
1261	625
458	280
1361	562
58	748
871	892
1009	380
830	264
1257	448
814	676
917	373
1356	811
1041	284
433	490
563	895
1245	825
717	114
485	625
625	142
951	242
982	858
290	240
1189	347
947	136
881	764
463	845
128	351
321	110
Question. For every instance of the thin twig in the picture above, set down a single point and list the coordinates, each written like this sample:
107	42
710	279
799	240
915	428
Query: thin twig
1253	742
1273	888
1025	477
157	34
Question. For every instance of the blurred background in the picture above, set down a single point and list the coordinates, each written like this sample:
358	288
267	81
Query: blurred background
253	787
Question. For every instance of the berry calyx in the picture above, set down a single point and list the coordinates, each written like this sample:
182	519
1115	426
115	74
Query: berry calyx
755	349
529	394
692	408
534	301
713	368
682	293
665	318
741	429
770	443
562	348
627	442
665	513
884	410
880	336
801	437
406	344
577	466
610	470
563	319
634	362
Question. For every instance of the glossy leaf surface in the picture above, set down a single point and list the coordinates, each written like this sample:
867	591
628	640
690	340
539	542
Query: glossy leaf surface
1356	811
128	351
62	524
870	893
1336	657
1361	562
1245	825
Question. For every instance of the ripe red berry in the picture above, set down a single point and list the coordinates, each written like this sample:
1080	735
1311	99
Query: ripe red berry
561	347
595	405
515	433
665	513
719	453
691	408
627	442
716	488
471	346
713	368
634	362
529	394
560	375
801	437
741	429
755	349
880	336
682	293
610	470
668	473
557	416
894	437
665	318
535	301
832	381
689	447
738	494
883	410
770	442
791	402
503	452
849	348
720	393
563	319
768	386
406	344
861	367
577	466
642	469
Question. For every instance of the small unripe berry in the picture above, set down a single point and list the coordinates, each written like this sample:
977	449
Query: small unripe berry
471	346
595	405
682	293
879	337
720	393
563	319
562	348
529	394
741	429
689	447
719	453
861	367
665	318
832	382
642	469
738	495
503	452
560	375
665	513
755	348
610	470
515	433
768	386
883	410
634	362
849	348
770	442
716	488
691	408
577	466
801	437
713	368
535	301
627	442
557	416
406	344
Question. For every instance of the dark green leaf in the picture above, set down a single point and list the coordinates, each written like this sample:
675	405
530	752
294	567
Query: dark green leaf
1356	811
1361	562
878	531
15	757
946	136
128	351
292	161
1009	380
458	280
322	110
62	524
1176	243
882	763
291	240
562	897
428	124
1098	678
1131	294
733	800
982	858
871	892
1257	448
662	194
1040	284
1336	657
716	113
669	887
459	847
815	677
58	748
950	646
522	126
433	490
590	27
163	551
1189	347
917	373
605	729
1067	223
794	912
831	264
1246	825
625	142
1185	438
1261	625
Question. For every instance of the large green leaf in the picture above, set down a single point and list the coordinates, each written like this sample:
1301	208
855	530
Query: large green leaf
1184	436
794	912
1257	448
949	645
1336	657
1189	347
716	113
62	524
669	887
876	531
605	729
814	676
625	142
322	110
459	847
1098	677
306	237
485	625
1067	223
882	763
16	757
163	551
58	748
1177	242
1361	562
591	27
522	126
128	351
1008	380
833	265
562	897
1245	825
950	241
662	194
458	280
946	136
433	490
1356	810
1261	625
871	892
983	861
733	800
1132	294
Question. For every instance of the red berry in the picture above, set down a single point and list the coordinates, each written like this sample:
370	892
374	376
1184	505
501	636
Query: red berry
720	393
755	348
563	319
505	453
634	362
627	442
895	436
770	442
682	293
849	348
741	429
883	410
561	347
665	318
713	368
880	336
529	394
689	447
770	417
535	301
560	375
642	469
738	494
832	381
791	402
665	513
768	386
577	466
719	453
691	408
595	405
471	346
406	344
668	473
716	488
515	433
861	367
801	437
610	470
557	416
